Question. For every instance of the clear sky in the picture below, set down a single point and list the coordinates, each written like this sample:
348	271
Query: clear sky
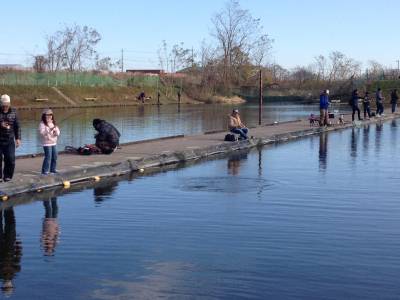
302	29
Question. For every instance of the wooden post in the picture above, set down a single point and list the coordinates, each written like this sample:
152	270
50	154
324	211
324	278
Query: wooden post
260	101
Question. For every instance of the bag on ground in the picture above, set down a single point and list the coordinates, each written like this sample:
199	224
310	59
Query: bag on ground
230	138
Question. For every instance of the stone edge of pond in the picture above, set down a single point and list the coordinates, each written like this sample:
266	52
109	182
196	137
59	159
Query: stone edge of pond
97	171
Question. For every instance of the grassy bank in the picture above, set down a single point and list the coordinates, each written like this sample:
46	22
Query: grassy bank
30	96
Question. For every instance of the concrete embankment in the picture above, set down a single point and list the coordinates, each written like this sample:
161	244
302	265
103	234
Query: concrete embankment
138	156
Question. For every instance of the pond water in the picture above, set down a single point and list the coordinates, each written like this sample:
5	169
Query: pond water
316	218
146	122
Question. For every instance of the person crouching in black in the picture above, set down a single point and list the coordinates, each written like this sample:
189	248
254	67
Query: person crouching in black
107	136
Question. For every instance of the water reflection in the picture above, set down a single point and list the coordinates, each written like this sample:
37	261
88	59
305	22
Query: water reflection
366	133
353	143
323	151
234	162
393	133
10	250
104	190
378	137
50	227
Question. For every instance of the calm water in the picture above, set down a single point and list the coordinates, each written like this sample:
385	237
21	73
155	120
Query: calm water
316	218
145	122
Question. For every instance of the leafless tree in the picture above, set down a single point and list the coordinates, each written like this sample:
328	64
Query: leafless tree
237	33
55	55
375	69
70	47
302	74
104	64
321	66
181	57
39	64
342	67
260	50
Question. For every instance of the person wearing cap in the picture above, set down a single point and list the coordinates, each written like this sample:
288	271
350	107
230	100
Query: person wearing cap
49	133
323	107
107	136
10	138
235	125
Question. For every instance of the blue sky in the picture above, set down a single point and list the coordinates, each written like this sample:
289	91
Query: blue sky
363	30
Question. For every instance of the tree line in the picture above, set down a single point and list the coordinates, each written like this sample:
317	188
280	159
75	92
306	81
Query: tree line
236	50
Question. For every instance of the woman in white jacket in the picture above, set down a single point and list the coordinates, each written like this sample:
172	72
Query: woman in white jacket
49	133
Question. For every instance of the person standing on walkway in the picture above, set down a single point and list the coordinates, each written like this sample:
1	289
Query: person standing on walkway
379	102
393	100
367	105
10	138
236	126
323	107
49	133
354	105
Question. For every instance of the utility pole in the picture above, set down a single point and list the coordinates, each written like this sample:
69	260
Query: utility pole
398	69
192	58
260	101
122	60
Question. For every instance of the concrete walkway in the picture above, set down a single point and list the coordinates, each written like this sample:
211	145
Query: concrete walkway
154	153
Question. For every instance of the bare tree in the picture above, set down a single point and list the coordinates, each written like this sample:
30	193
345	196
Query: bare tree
260	50
236	32
80	45
342	67
302	74
375	69
39	64
70	47
321	65
104	64
181	57
55	54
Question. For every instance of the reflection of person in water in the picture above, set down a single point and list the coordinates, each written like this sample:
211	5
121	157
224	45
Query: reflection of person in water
233	166
101	192
50	228
10	250
323	150
353	143
234	163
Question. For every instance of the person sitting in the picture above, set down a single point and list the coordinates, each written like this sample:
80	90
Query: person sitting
235	125
142	96
314	120
107	136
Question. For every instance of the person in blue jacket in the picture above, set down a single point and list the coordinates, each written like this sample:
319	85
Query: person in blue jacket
323	106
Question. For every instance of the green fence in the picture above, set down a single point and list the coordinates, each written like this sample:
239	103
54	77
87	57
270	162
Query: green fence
74	79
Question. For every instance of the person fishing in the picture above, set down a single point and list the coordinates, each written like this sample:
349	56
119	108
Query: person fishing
394	97
49	133
367	105
107	136
354	105
236	126
323	107
379	103
10	138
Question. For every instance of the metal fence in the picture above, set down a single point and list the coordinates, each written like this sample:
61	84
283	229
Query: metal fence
75	79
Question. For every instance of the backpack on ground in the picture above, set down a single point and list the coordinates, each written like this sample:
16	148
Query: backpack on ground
230	138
